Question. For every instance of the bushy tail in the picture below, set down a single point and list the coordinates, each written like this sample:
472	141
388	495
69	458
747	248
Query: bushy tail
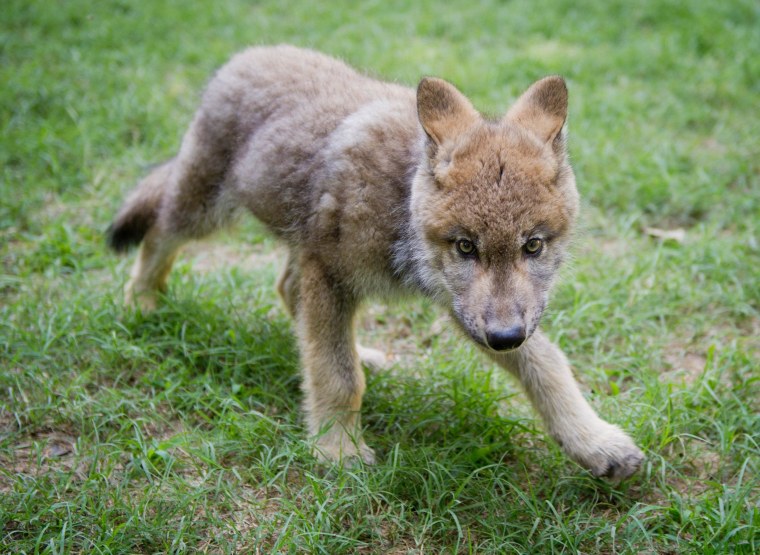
140	211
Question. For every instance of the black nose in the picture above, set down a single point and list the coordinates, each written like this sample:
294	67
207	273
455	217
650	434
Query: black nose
505	339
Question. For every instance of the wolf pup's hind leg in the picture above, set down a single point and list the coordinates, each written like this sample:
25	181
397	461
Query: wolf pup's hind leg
183	199
137	223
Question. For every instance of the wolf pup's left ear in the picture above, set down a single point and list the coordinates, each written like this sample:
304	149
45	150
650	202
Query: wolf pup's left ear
542	109
444	112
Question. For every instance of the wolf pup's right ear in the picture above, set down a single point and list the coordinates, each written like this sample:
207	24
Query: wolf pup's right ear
444	112
542	109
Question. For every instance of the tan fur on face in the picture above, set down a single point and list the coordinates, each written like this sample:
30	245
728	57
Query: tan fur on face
370	185
493	169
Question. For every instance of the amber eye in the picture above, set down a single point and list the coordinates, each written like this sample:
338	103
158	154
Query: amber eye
465	247
534	246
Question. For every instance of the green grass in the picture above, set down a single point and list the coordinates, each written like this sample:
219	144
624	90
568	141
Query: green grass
180	431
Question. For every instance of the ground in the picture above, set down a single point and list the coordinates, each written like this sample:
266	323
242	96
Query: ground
180	431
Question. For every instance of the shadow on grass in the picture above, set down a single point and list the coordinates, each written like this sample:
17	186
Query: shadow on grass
433	428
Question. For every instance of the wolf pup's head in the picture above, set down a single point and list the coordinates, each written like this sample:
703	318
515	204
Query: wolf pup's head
493	206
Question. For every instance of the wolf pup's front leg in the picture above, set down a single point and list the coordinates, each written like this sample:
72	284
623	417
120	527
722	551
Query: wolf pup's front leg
333	379
601	447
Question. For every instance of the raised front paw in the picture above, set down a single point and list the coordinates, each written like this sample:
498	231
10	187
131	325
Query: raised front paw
374	359
605	450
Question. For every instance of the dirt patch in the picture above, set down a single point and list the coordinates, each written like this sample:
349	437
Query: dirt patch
8	422
711	144
47	446
380	328
394	333
250	510
42	453
208	256
686	366
589	246
688	357
702	466
750	339
51	450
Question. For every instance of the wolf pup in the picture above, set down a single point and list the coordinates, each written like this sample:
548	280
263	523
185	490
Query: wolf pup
377	189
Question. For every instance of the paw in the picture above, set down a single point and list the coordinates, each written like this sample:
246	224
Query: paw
144	300
606	451
373	358
341	448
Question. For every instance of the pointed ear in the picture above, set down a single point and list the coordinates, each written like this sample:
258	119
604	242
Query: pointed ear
542	109
444	112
